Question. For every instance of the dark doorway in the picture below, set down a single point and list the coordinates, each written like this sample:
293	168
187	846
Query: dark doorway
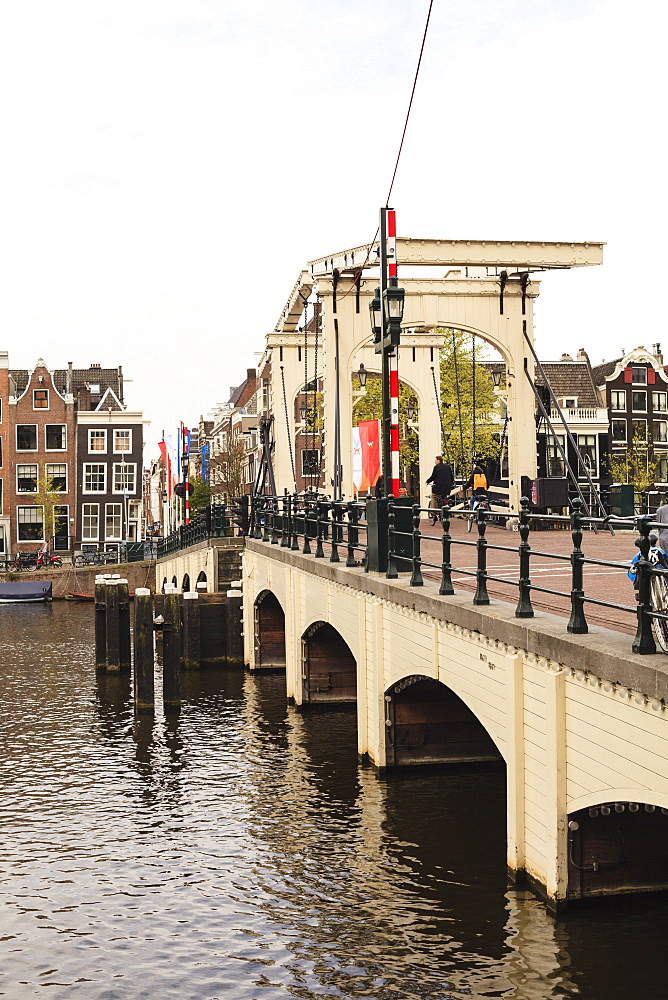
269	632
427	723
329	670
617	848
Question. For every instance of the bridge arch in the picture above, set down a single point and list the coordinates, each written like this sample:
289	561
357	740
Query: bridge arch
185	584
426	722
269	631
329	668
617	844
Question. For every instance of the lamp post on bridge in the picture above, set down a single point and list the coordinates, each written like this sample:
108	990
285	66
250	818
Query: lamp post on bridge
386	311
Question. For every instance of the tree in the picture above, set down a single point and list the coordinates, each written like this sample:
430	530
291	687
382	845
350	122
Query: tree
228	467
200	495
48	498
470	411
635	466
370	407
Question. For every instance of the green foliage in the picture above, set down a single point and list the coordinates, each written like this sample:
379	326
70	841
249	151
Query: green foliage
635	466
200	495
48	497
370	407
470	409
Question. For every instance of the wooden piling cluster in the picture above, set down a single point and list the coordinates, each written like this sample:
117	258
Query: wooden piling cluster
197	629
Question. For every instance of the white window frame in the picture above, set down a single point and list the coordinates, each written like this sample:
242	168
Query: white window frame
64	447
639	420
118	515
639	368
27	465
31	507
117	485
633	407
48	398
123	451
618	440
660	440
88	465
618	392
64	465
657	399
94	516
593	469
103	433
16	438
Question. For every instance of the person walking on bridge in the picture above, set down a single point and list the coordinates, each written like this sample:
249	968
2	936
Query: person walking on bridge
442	480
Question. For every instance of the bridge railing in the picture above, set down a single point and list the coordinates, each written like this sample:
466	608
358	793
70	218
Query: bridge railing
215	521
312	523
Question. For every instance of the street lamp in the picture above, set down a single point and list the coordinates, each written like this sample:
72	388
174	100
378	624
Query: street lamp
393	298
496	377
410	410
375	317
361	375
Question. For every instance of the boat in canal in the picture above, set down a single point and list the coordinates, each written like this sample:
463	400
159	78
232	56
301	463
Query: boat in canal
34	592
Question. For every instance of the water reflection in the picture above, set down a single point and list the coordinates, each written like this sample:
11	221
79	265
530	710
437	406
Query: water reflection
237	848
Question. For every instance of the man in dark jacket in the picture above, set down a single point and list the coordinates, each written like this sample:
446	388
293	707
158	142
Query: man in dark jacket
442	480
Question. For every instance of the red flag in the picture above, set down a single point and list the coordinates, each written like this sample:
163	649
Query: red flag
370	445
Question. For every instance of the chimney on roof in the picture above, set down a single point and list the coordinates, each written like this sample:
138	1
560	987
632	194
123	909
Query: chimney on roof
250	374
656	351
83	397
95	366
566	357
583	356
69	380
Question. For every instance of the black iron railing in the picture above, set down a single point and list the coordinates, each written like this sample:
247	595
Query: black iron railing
305	523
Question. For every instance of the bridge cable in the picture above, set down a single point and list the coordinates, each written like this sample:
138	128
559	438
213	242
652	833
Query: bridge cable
401	146
444	437
287	426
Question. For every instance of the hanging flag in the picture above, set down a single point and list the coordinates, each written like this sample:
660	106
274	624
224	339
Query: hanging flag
357	460
369	431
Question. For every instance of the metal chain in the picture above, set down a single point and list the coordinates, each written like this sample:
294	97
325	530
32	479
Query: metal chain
444	439
287	426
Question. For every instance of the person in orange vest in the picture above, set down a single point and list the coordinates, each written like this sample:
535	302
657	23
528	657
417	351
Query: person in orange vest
477	481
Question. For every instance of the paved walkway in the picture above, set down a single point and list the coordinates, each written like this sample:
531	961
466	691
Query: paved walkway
604	583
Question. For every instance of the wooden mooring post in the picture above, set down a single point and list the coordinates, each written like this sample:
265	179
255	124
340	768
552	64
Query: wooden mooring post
124	641
144	689
111	622
171	650
191	633
100	623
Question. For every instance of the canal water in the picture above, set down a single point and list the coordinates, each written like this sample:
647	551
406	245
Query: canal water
238	850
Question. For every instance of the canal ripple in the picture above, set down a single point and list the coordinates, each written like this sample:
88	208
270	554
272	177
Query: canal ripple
238	850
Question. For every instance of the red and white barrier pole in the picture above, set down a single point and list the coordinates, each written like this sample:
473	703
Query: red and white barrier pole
394	358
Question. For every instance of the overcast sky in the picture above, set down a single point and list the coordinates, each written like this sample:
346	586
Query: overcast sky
168	167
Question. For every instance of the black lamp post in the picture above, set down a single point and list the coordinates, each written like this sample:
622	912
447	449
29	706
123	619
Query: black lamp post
361	376
376	317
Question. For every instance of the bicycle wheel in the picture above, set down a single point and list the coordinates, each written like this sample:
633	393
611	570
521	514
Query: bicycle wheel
660	633
470	521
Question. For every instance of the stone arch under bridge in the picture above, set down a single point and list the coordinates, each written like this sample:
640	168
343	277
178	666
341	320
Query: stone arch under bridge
329	669
269	631
476	286
427	723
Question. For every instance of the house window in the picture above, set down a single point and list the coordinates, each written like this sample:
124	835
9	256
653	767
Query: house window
90	522
556	468
310	462
97	441
639	401
587	448
26	437
122	441
124	477
26	479
639	429
57	473
660	402
40	399
94	388
113	522
30	524
56	437
618	399
660	431
95	478
569	403
662	470
619	431
639	376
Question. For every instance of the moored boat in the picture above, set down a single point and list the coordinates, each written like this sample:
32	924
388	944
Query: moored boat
37	591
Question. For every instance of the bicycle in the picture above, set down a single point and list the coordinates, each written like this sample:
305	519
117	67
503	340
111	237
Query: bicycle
477	504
